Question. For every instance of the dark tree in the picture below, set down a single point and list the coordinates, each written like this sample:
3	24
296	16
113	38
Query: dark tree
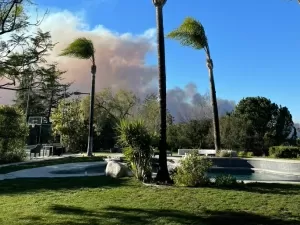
268	124
162	174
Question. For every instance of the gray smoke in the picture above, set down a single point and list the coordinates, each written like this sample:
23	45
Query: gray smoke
121	63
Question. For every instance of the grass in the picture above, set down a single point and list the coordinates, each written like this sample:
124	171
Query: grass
50	162
103	200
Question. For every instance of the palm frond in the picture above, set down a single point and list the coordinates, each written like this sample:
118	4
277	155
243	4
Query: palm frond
81	48
159	2
190	33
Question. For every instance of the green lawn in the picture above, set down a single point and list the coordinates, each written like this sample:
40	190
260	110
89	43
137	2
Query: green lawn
102	200
50	162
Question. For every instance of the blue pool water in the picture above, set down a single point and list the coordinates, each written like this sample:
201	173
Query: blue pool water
87	170
254	175
239	174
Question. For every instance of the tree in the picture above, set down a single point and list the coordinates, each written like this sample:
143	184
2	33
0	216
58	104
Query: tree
234	132
176	137
40	98
259	112
12	16
38	83
149	111
28	59
190	134
15	50
162	174
110	108
118	105
13	132
282	127
191	33
69	122
197	132
83	48
270	124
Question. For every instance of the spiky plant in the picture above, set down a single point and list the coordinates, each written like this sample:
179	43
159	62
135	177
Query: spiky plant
191	33
83	48
136	141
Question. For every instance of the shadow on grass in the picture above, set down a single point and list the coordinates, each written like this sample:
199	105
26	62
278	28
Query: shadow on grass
282	189
267	188
120	215
23	186
34	185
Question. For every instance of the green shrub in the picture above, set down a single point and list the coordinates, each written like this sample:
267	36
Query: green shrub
13	133
241	154
284	151
173	173
224	154
136	141
245	154
249	154
227	153
192	171
225	181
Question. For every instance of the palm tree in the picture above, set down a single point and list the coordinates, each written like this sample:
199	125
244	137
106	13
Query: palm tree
162	174
191	33
83	48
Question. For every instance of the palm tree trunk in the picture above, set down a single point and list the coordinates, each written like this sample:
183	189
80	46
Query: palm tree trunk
91	120
214	104
162	174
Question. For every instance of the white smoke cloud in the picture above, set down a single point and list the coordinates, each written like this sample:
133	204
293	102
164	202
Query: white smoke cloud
121	63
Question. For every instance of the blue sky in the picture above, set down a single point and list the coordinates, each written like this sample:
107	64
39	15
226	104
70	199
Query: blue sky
255	44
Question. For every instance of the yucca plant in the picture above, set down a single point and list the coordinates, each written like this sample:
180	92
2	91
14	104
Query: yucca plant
136	141
191	33
83	48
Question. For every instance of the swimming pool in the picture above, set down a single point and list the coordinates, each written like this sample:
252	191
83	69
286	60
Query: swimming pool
245	174
254	175
88	170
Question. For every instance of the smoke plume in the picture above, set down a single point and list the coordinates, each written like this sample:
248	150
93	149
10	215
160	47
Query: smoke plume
121	63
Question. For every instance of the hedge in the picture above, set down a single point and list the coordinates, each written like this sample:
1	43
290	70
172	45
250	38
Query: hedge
284	151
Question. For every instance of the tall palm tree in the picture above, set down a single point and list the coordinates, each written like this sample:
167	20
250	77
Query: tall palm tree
162	174
83	48
191	33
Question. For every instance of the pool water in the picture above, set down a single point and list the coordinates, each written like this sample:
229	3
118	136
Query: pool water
256	176
87	170
239	174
